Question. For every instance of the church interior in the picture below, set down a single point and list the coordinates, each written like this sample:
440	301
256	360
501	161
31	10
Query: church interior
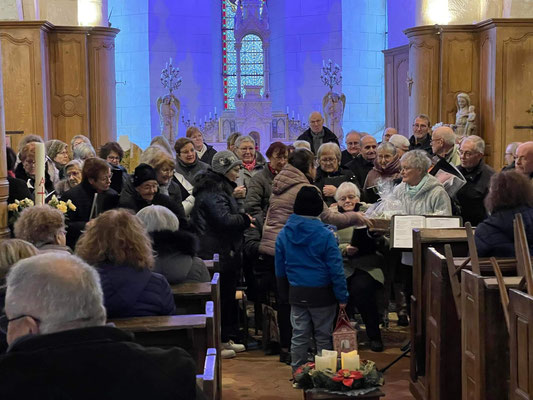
127	71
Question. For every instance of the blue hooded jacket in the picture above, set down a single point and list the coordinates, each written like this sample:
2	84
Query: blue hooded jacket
309	260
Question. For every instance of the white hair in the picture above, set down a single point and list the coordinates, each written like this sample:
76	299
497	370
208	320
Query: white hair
417	159
347	187
330	146
302	144
241	139
479	144
60	290
83	151
399	141
389	147
158	218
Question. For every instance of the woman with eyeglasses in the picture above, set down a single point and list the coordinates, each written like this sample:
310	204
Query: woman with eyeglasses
91	197
386	169
112	152
57	151
26	169
329	173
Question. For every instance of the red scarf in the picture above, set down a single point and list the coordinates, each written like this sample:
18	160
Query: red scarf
274	172
249	166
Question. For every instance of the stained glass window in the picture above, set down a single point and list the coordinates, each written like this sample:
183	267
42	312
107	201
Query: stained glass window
251	57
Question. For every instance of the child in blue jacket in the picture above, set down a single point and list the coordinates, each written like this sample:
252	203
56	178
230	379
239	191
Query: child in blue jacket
310	275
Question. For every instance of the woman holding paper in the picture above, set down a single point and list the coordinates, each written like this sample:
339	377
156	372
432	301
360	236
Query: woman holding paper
362	266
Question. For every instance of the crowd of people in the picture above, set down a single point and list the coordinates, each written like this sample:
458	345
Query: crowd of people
290	227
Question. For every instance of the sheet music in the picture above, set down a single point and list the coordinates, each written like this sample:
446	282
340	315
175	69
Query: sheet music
403	229
442	222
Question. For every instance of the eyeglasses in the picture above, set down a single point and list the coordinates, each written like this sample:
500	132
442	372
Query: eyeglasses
468	154
434	140
348	197
352	143
4	321
419	126
328	160
106	178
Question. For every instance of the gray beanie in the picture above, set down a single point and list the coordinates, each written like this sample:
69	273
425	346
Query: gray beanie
223	161
53	147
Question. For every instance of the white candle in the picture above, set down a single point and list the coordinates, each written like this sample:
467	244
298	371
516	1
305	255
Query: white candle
350	361
331	356
215	110
287	110
170	60
40	194
321	363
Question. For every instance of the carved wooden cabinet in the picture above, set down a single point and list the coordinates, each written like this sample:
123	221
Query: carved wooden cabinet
491	61
58	81
397	89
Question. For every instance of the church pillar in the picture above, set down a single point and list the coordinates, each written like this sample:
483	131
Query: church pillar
238	47
4	186
266	67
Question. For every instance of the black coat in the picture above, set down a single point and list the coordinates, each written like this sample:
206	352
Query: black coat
215	216
329	136
95	363
360	167
20	173
471	196
208	155
346	158
335	179
82	196
423	145
495	235
176	257
18	190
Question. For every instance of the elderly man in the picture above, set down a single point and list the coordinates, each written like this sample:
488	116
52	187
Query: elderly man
353	147
477	174
387	133
524	159
421	139
60	348
317	134
364	162
510	155
443	145
401	143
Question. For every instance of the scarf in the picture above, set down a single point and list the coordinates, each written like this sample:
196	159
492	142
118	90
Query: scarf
163	189
249	166
201	152
318	138
274	172
413	190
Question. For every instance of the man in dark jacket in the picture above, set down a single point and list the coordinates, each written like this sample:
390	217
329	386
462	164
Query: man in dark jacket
477	175
317	133
91	197
60	347
364	162
353	148
421	139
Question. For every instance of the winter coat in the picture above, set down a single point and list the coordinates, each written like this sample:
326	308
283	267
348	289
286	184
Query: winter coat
20	173
423	145
132	292
18	190
215	217
285	187
472	195
246	176
329	137
334	178
360	167
189	171
176	257
308	263
82	196
346	157
258	194
99	362
495	235
208	155
431	199
131	199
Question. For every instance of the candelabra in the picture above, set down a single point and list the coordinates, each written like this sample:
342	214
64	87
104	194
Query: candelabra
169	77
331	74
208	124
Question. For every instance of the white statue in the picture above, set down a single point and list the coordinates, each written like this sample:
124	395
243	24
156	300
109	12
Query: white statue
465	118
168	108
333	106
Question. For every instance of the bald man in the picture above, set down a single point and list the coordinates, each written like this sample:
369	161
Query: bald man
443	145
364	162
387	133
317	134
353	147
524	159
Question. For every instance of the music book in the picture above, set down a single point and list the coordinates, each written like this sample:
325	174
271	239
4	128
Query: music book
402	227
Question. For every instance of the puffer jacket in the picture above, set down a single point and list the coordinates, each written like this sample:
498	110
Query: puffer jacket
258	194
285	187
431	199
495	235
131	292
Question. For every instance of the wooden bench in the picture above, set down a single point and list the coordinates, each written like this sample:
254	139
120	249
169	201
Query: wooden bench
207	381
484	337
213	265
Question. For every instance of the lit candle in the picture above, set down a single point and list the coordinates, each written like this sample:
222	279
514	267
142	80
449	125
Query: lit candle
40	192
209	115
215	111
332	359
287	110
170	60
292	114
350	361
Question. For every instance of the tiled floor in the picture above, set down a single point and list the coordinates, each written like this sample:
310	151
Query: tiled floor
252	375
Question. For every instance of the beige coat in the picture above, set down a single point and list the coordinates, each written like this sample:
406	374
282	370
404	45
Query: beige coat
285	187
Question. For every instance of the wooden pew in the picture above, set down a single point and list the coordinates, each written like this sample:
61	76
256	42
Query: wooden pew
521	345
207	381
213	265
484	337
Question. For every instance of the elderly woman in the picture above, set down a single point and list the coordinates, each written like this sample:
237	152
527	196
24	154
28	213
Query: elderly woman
44	227
204	151
510	193
72	177
26	169
91	197
245	150
175	250
188	165
83	151
401	143
362	265
386	168
57	151
217	220
112	152
330	174
260	186
123	257
144	190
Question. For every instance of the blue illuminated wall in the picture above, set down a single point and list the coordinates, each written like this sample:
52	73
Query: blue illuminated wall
401	16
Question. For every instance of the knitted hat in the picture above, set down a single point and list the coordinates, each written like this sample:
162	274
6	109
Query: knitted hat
143	173
223	161
53	147
308	202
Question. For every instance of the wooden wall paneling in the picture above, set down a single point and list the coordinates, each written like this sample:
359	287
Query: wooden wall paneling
102	99
396	94
69	83
4	186
459	71
424	52
25	76
390	85
521	345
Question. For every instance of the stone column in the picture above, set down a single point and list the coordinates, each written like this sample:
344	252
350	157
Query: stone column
266	68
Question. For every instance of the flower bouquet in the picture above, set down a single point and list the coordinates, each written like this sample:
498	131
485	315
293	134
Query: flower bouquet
61	205
364	380
14	209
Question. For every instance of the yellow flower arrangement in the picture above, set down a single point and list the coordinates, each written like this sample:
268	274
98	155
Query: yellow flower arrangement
61	205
